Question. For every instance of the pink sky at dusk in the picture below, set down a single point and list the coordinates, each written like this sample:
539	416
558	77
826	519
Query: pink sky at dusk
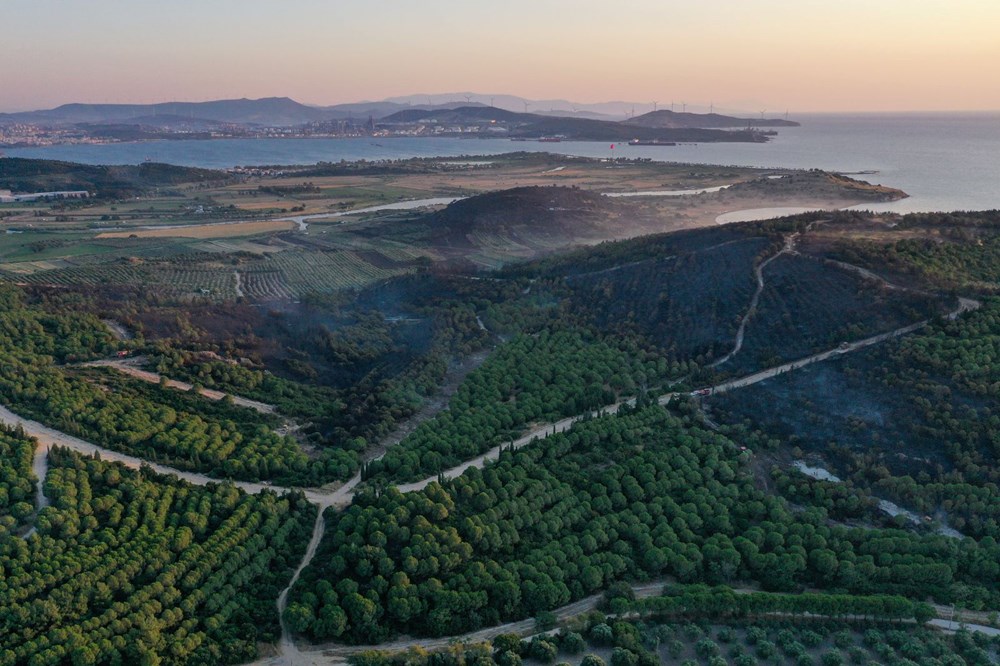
804	55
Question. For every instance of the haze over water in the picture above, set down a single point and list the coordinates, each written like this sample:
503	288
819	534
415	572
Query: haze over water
944	161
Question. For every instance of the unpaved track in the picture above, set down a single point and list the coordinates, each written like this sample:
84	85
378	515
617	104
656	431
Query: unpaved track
289	652
238	286
48	437
522	627
129	368
40	467
752	310
964	305
338	654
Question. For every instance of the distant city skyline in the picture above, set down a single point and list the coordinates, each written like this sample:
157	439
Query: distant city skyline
802	55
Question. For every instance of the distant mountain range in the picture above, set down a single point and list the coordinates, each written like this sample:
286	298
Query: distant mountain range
262	117
285	112
271	111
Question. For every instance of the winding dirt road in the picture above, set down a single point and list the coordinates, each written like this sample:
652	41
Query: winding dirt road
752	310
287	647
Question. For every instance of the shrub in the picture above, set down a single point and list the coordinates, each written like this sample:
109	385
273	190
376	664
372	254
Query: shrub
507	643
545	621
623	657
543	650
843	639
572	642
832	658
766	649
601	634
509	658
755	635
706	648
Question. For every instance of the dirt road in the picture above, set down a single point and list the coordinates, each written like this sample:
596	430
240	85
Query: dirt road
129	367
288	650
752	310
49	437
964	305
338	654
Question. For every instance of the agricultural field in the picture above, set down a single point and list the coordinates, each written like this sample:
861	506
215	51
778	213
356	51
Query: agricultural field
294	274
233	215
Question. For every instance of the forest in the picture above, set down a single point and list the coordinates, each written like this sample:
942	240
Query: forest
953	250
529	379
17	482
132	567
638	495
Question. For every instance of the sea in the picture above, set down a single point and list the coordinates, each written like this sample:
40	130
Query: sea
944	161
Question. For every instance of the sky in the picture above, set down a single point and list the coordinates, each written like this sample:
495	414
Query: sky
801	55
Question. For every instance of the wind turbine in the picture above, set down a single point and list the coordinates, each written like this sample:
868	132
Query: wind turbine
684	107
468	99
762	114
526	105
654	106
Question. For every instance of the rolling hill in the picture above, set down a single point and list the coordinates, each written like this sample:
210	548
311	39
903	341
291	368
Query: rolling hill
268	111
667	119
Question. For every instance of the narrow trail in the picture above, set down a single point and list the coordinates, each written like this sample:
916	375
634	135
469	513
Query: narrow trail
288	650
788	247
238	287
40	468
433	405
128	367
865	273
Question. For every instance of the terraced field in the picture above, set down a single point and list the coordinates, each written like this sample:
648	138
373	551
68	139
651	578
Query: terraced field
293	274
